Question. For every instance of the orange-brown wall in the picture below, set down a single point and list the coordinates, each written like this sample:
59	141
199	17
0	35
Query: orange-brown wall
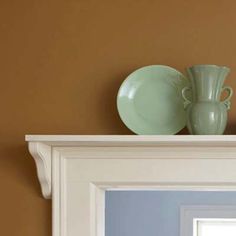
61	63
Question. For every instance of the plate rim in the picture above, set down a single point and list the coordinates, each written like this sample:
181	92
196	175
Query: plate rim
182	77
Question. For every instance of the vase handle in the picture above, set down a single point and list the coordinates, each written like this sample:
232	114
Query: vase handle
186	100
227	99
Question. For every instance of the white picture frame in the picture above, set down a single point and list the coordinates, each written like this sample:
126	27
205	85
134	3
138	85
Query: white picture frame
75	171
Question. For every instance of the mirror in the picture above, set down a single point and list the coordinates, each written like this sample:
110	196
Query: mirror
170	213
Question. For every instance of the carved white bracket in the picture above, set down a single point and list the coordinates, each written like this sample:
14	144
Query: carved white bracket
42	155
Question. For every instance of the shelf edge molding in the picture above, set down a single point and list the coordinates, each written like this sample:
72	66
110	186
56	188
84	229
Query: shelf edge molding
42	146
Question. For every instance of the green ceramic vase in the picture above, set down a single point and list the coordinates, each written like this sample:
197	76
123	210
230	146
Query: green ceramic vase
206	113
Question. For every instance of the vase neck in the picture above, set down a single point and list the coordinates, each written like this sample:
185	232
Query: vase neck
207	82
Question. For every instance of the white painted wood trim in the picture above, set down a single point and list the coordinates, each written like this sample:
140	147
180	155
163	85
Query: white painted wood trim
42	155
40	148
75	171
135	140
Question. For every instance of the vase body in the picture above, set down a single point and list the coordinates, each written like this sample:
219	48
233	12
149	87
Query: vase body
206	114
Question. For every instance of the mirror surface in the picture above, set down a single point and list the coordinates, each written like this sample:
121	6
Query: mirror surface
157	213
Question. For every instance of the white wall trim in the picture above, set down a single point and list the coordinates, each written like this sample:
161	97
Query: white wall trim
77	170
42	155
135	140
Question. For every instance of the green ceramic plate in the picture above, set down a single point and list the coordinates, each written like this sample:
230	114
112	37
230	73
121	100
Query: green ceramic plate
149	101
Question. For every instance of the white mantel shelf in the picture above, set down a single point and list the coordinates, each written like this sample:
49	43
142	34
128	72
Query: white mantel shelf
40	147
134	140
75	171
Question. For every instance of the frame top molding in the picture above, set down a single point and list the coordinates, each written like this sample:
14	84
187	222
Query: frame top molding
41	148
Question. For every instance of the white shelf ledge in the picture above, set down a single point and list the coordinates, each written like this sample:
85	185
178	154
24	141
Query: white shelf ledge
41	146
127	140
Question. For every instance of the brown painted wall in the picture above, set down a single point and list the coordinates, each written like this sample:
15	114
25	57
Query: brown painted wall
62	63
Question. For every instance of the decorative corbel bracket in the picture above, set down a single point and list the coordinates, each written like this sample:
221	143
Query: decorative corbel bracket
42	155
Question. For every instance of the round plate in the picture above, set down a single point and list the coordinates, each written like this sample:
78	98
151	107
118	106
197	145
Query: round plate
149	101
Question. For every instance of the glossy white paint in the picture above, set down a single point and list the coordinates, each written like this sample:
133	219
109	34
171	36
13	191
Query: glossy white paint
76	170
